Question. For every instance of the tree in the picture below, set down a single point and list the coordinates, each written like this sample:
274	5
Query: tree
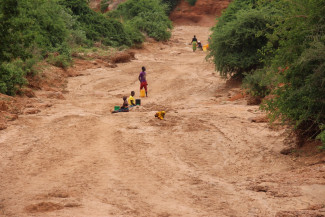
299	34
237	39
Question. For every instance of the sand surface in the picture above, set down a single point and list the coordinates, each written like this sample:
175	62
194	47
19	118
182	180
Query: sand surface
206	158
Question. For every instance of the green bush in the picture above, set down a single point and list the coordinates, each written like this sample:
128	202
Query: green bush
302	98
95	25
237	40
61	61
29	66
13	44
171	4
36	28
134	34
154	24
12	77
29	30
149	16
51	29
32	30
78	37
302	51
104	5
259	83
279	46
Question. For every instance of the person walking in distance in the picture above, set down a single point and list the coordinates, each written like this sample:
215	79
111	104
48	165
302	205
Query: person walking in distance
194	42
143	80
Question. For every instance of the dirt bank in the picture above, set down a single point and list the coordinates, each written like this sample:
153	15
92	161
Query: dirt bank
203	13
207	158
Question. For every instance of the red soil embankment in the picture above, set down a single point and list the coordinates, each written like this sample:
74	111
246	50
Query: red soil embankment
202	13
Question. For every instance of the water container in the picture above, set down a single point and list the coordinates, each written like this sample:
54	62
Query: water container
116	108
206	47
138	101
142	93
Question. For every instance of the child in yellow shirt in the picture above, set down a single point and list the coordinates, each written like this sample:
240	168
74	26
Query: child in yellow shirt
131	99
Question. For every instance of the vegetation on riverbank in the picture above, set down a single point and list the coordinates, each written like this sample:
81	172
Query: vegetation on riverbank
279	49
50	30
147	16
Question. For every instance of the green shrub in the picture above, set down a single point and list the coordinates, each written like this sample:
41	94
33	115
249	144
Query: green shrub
302	51
51	29
154	24
29	66
36	28
171	4
30	30
280	48
149	16
134	34
61	61
78	37
235	43
95	25
62	57
302	98
14	43
12	77
258	83
104	5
